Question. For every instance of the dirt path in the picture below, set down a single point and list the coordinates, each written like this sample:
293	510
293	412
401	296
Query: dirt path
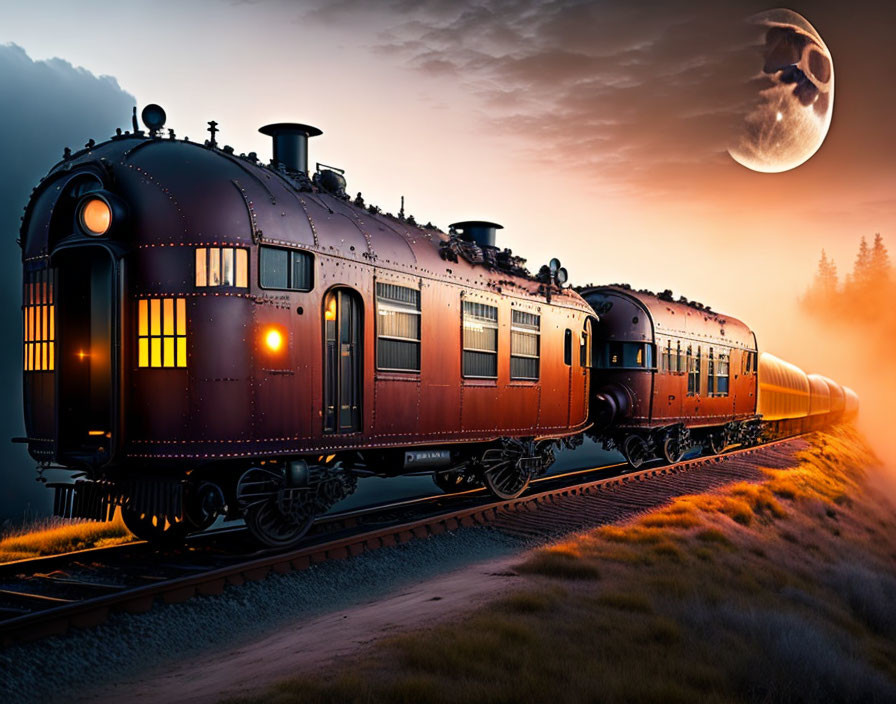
308	646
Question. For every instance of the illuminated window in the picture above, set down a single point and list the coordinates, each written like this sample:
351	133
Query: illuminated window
222	266
39	322
525	345
162	332
480	343
397	328
625	355
289	269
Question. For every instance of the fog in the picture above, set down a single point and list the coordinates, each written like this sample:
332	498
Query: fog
48	105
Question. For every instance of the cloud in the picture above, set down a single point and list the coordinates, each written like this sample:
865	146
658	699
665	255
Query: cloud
644	97
48	105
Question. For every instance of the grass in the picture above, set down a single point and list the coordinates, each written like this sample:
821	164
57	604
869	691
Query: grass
57	535
741	594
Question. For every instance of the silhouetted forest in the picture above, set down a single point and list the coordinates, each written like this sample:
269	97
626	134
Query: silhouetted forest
863	296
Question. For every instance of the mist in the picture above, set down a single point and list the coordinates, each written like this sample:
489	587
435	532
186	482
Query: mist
49	105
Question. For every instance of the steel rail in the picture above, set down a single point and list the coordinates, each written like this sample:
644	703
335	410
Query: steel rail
95	610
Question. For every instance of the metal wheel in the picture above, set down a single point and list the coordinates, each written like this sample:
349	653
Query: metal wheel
717	443
452	482
268	525
501	471
276	515
154	529
635	450
673	450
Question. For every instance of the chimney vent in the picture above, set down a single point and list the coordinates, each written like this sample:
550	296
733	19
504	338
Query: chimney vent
478	231
291	143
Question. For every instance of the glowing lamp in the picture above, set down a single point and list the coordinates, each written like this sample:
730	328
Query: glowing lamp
273	340
95	216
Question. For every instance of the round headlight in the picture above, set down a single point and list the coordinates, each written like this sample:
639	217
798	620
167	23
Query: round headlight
95	216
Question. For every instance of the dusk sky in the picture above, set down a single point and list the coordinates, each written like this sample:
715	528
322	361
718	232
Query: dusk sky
594	131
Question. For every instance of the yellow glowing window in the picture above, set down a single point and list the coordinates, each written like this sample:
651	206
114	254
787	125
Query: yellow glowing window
222	266
162	332
39	318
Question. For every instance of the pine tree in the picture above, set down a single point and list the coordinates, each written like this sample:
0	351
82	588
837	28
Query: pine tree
823	291
827	276
879	264
862	269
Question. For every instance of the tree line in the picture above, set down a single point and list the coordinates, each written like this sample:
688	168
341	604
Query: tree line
863	293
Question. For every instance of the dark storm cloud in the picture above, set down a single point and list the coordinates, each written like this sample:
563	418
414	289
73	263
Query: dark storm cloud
48	105
641	94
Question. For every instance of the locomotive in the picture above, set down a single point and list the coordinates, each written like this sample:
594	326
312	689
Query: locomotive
208	335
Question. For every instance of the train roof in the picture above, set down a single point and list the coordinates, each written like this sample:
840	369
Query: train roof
665	316
185	193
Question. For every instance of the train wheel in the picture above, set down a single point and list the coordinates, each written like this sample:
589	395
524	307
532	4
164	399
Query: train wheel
454	482
717	443
154	529
275	515
501	471
270	526
673	450
635	450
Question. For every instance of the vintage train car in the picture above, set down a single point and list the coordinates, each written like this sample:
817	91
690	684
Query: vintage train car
206	334
792	402
669	374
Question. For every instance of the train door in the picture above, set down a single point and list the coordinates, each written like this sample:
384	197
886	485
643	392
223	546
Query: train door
85	322
343	378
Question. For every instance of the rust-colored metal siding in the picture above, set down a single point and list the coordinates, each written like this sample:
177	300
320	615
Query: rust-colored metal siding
234	399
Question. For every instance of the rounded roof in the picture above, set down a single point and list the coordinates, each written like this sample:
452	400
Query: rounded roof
673	318
180	192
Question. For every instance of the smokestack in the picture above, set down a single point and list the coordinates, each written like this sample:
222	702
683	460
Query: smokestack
291	143
478	231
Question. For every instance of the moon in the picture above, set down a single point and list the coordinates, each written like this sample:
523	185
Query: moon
789	113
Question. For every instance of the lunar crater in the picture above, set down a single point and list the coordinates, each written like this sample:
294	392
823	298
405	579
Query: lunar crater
790	112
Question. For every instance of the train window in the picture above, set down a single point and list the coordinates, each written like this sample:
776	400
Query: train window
39	311
585	353
162	332
667	364
679	358
567	348
711	375
525	345
222	266
289	269
480	343
624	355
397	328
722	373
693	364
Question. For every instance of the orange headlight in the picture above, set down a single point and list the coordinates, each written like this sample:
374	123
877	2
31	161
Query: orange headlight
273	339
95	216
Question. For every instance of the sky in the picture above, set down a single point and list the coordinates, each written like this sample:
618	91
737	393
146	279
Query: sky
595	132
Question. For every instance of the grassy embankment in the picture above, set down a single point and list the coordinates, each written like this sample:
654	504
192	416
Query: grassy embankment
783	590
57	535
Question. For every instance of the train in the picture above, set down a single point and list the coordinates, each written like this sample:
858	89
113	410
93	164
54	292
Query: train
208	335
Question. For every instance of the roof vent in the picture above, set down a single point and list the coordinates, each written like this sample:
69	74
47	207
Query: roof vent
291	143
478	231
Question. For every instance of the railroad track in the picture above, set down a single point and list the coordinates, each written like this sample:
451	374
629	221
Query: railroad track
46	596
